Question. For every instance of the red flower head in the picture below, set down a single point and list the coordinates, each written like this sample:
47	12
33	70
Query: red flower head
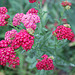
46	63
65	3
32	1
63	32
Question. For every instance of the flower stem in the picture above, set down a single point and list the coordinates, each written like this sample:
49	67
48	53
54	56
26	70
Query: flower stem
19	27
62	14
13	26
40	14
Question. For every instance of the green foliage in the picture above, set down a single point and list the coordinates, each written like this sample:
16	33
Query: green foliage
45	42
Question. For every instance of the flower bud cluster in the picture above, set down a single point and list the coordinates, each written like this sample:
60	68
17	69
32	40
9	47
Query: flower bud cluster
66	4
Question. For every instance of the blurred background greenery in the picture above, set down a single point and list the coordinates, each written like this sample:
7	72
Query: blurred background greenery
54	9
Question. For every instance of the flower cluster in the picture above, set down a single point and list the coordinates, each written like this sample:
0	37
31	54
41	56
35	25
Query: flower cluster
63	32
14	40
17	19
66	4
3	10
30	20
4	43
10	35
4	19
32	1
7	55
46	63
32	11
24	39
3	16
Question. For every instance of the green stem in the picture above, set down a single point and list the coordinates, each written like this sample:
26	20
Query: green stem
13	26
40	14
40	3
55	51
62	14
17	50
19	27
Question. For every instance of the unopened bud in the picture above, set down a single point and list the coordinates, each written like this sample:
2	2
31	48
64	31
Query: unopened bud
54	33
67	25
67	7
30	31
38	60
72	44
51	57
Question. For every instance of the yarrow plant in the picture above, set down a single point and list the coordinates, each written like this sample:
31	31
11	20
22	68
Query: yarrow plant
46	63
28	37
13	39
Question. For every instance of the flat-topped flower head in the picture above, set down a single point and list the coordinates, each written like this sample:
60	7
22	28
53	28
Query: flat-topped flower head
65	3
23	39
30	20
32	1
4	19
3	10
7	55
32	11
45	64
10	35
63	32
4	43
17	19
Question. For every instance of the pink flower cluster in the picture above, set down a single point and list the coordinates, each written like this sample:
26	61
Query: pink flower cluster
29	19
4	43
3	10
32	1
14	40
24	39
65	3
17	19
32	11
3	16
7	55
10	35
46	63
63	32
